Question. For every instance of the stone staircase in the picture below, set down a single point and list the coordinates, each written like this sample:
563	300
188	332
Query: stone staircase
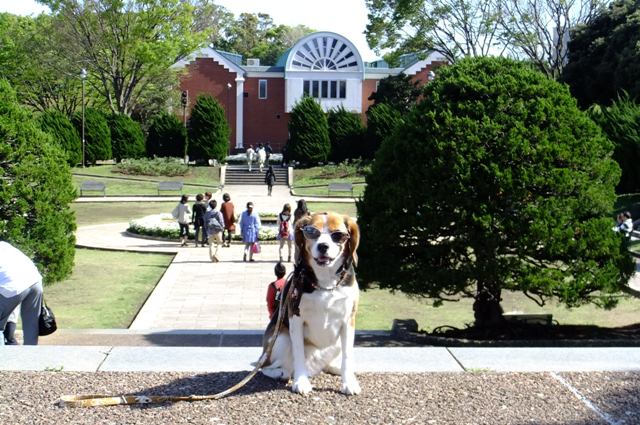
240	175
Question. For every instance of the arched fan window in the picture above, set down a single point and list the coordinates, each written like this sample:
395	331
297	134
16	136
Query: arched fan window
324	53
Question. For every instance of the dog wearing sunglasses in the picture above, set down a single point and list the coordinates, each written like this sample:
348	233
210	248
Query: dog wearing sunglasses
318	330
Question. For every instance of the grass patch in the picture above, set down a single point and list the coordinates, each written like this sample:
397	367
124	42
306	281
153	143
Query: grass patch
358	190
108	296
344	172
378	308
88	213
339	207
118	184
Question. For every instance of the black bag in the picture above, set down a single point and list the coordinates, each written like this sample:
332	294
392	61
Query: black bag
47	321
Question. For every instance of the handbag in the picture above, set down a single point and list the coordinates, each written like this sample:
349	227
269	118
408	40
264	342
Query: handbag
47	321
255	248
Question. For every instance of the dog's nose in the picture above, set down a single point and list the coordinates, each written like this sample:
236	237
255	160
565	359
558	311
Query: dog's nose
323	248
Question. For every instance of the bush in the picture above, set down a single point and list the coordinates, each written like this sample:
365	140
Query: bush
167	136
63	133
96	135
308	133
345	134
169	167
382	120
497	181
35	191
127	140
621	123
208	130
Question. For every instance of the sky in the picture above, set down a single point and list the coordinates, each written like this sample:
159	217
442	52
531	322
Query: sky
345	17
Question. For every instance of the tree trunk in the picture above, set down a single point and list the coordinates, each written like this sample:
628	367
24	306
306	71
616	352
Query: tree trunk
486	307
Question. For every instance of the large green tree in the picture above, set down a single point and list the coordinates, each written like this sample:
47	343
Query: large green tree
208	130
97	136
382	120
495	181
621	123
604	56
346	134
35	191
308	133
129	46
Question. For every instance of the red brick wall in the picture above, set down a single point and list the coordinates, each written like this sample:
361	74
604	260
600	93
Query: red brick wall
205	76
265	119
421	76
368	88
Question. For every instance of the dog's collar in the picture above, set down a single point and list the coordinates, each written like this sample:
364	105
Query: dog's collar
343	277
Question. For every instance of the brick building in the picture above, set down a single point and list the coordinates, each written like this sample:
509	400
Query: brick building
258	99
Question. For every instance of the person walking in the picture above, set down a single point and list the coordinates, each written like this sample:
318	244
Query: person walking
214	223
250	153
274	290
268	150
197	218
228	215
270	179
285	232
301	211
181	213
249	228
262	157
20	284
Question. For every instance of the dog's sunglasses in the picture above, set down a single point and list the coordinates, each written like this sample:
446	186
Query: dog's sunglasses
312	233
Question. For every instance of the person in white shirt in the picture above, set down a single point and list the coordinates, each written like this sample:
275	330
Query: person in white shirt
250	152
20	284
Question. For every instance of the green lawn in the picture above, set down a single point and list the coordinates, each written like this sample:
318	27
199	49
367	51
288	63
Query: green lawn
339	207
358	190
108	295
378	308
129	185
113	212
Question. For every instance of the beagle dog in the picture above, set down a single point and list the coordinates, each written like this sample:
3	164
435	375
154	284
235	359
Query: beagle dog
318	330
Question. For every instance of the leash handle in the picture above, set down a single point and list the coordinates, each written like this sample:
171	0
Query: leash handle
92	400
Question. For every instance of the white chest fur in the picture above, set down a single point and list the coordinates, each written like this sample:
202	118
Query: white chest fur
325	313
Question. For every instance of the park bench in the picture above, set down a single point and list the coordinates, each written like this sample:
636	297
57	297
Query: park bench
529	318
93	187
169	186
340	187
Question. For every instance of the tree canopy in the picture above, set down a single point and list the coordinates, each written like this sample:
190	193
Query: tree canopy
35	191
208	130
128	47
604	57
495	181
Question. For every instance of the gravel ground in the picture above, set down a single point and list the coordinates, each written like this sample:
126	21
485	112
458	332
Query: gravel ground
445	398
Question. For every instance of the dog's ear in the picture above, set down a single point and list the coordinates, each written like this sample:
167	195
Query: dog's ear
299	237
354	238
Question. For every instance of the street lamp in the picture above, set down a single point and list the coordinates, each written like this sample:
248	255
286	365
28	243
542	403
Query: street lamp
83	76
228	115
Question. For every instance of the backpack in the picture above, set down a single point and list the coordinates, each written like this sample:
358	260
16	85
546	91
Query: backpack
214	224
284	227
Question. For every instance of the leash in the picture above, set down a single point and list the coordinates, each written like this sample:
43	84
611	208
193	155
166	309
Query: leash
91	400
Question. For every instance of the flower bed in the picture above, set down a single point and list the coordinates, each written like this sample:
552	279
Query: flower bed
165	226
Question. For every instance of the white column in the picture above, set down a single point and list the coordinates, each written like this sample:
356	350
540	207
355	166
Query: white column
239	111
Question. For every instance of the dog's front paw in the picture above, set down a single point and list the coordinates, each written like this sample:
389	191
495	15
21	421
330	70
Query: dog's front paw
301	385
350	386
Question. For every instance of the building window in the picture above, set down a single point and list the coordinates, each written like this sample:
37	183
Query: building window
262	89
325	89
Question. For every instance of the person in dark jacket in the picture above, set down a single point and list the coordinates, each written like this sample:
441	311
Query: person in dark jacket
199	210
270	179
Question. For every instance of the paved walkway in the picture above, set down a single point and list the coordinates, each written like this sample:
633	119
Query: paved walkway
195	293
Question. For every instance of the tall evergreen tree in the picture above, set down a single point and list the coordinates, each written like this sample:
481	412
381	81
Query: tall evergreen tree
96	134
167	136
63	133
308	133
382	120
208	130
127	140
346	134
35	191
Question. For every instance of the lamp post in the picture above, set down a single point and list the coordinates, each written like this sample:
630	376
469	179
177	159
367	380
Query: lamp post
83	76
228	115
